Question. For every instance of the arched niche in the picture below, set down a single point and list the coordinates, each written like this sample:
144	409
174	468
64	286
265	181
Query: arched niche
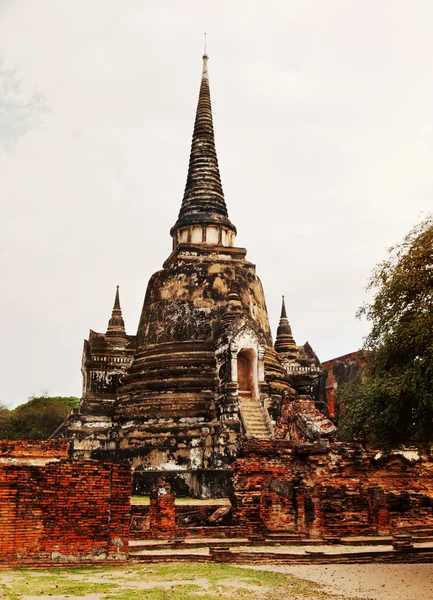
247	372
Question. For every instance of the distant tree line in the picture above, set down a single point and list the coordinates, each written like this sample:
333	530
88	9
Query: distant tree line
37	419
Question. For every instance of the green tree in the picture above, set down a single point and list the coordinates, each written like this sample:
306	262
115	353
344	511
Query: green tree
37	419
6	432
391	402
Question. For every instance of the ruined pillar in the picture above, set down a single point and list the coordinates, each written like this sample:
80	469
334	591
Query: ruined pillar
162	511
300	505
317	525
378	511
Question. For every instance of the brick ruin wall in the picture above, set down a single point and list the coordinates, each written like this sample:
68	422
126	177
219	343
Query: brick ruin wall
338	371
163	519
306	490
32	452
63	510
67	511
316	490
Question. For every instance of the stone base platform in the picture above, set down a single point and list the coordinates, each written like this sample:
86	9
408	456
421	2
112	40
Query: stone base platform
240	551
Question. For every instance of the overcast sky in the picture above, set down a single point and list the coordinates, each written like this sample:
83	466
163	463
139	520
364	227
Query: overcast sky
323	114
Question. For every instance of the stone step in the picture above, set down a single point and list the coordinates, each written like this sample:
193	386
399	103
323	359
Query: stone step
255	413
252	430
258	433
253	417
258	418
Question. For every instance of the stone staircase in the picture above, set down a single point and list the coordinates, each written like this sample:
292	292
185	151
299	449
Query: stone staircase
253	417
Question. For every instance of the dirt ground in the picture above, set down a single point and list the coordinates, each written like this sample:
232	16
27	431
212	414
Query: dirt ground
189	581
374	581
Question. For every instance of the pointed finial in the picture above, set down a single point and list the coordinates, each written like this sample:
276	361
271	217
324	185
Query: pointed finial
283	310
205	42
117	300
203	201
116	325
284	343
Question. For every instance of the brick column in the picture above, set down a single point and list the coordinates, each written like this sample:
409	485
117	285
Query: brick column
378	511
317	526
162	511
300	502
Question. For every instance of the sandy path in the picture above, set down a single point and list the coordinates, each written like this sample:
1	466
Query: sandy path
375	582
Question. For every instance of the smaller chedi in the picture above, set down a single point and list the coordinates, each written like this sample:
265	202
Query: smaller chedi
202	374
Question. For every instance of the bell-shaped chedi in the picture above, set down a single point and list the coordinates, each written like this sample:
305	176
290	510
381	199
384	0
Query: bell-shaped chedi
203	313
202	374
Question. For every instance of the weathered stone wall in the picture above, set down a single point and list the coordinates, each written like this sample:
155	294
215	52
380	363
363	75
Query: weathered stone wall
317	489
61	511
300	421
169	413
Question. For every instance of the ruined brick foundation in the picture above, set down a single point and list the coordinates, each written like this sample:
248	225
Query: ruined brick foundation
53	510
330	489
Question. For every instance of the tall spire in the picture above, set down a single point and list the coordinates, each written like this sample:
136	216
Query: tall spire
283	310
203	201
284	343
116	325
117	300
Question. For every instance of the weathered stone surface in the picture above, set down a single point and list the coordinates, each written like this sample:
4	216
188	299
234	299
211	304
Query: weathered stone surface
106	358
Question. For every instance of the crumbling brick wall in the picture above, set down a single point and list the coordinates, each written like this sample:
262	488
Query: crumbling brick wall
32	452
62	510
334	489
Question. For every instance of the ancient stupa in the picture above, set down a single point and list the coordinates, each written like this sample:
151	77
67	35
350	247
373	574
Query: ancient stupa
202	372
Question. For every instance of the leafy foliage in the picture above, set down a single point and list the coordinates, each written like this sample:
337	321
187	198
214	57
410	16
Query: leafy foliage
392	402
37	419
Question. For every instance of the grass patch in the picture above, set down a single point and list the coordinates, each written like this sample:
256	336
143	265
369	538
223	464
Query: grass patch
8	594
160	582
56	583
140	500
183	592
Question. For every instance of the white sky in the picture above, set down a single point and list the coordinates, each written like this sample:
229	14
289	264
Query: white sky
323	112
